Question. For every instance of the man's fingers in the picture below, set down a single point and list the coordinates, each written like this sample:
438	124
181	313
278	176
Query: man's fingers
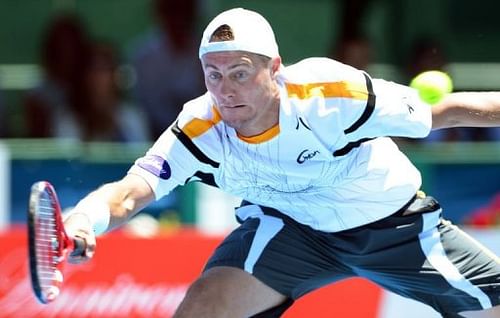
87	253
78	226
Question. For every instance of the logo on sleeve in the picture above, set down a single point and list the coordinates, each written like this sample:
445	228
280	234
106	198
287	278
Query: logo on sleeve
410	107
156	165
306	155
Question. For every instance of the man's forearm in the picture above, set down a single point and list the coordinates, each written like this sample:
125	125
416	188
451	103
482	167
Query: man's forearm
113	204
467	109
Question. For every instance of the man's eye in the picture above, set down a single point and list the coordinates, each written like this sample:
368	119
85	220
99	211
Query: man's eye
240	75
214	76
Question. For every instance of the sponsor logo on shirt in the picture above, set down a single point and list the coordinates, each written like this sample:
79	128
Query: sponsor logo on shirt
306	155
156	165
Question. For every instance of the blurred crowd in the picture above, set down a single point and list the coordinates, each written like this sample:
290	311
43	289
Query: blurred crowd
85	94
79	96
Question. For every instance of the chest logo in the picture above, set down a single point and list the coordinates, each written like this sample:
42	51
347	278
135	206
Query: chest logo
306	155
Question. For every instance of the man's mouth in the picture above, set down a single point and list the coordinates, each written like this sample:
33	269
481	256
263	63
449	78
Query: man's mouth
233	106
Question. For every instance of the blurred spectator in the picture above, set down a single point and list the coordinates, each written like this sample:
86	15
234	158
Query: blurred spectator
353	47
355	51
3	117
428	54
425	54
78	97
166	64
49	107
105	116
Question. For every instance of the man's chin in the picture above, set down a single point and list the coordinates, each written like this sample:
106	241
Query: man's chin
240	125
233	123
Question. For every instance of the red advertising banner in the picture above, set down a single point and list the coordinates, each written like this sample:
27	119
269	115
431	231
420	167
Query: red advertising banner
140	277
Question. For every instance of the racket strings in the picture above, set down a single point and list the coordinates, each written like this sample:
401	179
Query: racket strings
47	248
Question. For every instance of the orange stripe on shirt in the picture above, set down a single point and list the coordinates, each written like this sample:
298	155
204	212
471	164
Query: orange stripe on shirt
197	127
263	137
353	90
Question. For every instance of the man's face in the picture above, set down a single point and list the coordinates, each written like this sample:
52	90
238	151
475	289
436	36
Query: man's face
243	88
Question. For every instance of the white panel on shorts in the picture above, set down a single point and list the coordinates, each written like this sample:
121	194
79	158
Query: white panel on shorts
268	228
434	251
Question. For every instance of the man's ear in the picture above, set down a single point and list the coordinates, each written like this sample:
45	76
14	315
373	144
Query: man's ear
275	65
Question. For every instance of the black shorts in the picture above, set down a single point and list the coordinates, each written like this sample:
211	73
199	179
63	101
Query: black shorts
414	253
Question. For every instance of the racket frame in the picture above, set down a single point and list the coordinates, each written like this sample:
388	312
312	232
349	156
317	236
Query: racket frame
61	243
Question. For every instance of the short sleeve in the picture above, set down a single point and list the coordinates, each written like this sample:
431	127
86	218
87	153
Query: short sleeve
392	110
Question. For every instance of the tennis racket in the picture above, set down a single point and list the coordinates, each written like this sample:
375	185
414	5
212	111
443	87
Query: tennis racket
48	242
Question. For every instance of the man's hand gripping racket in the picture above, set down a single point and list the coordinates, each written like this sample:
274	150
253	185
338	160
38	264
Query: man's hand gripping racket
50	242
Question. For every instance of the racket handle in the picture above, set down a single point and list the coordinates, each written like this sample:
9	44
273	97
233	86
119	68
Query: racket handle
79	247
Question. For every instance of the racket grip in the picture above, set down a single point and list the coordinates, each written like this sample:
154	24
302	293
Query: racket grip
79	247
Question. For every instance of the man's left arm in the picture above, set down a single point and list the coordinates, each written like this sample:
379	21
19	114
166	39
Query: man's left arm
467	109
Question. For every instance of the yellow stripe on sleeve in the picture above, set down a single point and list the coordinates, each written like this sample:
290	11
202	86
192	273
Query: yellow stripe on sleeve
341	89
197	127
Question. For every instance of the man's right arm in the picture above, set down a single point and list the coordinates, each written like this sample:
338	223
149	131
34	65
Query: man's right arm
108	207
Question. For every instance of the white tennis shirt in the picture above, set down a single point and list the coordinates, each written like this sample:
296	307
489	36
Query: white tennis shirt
328	163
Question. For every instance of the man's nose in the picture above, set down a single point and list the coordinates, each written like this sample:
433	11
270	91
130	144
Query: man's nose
226	89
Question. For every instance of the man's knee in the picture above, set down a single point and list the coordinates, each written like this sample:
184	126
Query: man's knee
227	292
200	289
200	299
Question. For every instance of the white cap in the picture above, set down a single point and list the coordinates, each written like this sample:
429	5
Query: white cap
252	33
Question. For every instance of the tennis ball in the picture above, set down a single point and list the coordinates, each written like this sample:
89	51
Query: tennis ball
432	86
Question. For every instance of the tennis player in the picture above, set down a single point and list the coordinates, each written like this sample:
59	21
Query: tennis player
327	194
